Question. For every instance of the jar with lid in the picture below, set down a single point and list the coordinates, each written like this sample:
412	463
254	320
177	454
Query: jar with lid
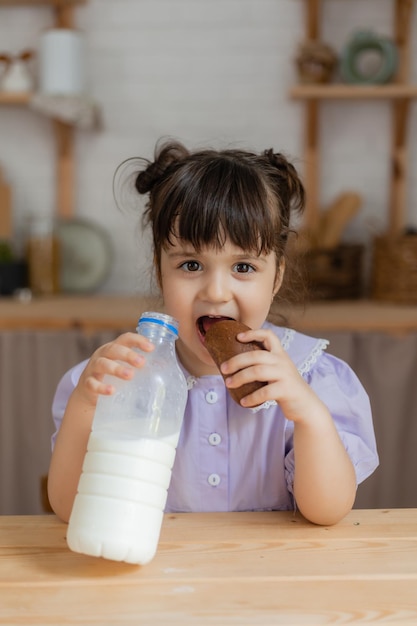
43	255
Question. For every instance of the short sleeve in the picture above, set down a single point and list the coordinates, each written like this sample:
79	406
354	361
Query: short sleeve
63	391
339	388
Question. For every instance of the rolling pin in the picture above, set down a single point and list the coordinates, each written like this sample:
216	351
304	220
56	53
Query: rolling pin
335	219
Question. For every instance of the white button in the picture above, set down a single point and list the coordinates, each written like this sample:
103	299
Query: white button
214	439
211	397
213	480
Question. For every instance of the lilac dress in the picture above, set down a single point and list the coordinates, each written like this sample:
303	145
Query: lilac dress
234	459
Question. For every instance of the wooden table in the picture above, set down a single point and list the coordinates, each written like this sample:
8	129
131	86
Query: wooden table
218	568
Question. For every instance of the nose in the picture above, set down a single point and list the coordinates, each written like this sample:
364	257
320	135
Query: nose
216	287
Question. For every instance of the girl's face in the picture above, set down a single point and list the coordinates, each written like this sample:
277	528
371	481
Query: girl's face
214	283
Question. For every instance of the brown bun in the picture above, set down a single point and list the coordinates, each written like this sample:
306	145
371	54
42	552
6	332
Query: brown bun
220	341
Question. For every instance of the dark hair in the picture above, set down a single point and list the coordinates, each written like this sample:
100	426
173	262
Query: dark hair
206	196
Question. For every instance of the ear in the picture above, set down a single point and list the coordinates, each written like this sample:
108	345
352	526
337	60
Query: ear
279	277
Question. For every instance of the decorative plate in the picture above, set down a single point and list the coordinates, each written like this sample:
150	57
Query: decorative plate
86	255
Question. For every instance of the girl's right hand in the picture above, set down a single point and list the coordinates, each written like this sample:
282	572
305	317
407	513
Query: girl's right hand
117	358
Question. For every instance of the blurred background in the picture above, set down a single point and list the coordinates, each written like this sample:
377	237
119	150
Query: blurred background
210	73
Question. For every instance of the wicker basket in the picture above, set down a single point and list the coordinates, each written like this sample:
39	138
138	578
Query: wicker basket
334	274
394	269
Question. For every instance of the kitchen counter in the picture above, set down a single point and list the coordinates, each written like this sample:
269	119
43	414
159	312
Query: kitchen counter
115	312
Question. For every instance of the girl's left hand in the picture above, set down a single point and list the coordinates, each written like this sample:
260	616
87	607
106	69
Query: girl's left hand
285	384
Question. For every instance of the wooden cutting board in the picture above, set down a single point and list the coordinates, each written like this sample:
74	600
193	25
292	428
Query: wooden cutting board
5	209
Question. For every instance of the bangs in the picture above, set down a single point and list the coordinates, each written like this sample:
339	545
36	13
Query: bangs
225	200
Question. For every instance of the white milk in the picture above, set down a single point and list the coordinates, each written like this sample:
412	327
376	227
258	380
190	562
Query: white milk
118	510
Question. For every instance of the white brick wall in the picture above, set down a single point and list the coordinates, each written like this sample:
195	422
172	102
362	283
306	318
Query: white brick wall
209	72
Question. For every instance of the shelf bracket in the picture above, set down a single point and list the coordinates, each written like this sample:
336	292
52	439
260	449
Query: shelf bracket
65	170
313	11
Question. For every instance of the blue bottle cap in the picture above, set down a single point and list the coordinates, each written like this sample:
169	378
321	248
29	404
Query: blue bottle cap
160	318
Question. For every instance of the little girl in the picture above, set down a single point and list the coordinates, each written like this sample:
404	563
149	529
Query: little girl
220	222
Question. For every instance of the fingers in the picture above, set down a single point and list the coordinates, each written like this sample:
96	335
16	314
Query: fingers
261	372
271	366
123	348
258	365
96	387
118	358
256	357
269	340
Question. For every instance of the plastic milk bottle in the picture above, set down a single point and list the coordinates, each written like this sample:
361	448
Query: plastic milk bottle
118	509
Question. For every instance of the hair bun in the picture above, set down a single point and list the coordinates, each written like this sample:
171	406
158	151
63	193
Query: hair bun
166	155
295	193
146	180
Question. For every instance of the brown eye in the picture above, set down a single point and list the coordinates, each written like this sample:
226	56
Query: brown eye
244	268
191	266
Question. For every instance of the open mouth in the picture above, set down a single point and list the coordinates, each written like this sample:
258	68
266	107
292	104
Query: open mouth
206	321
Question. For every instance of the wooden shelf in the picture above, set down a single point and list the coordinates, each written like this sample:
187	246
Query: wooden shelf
63	18
68	312
352	92
399	94
118	312
14	98
52	3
